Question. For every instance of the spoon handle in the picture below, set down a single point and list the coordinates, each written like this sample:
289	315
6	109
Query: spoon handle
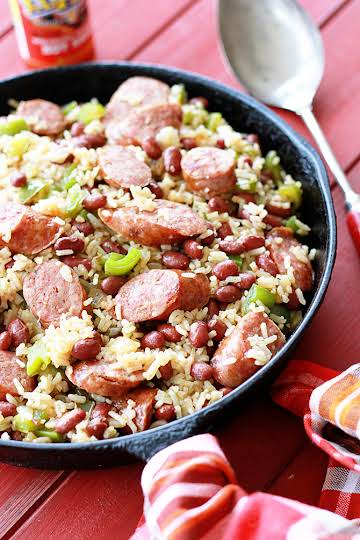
352	199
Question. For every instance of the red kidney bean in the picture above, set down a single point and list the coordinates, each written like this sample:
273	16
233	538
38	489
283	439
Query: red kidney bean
245	280
100	411
172	160
273	221
89	141
9	264
7	409
224	231
153	340
96	428
236	247
225	390
86	349
278	210
94	201
156	190
248	197
112	284
220	143
198	335
112	247
83	227
193	249
77	129
213	308
5	340
201	371
18	179
188	143
266	177
224	269
266	263
247	160
218	204
70	242
19	332
73	261
208	240
69	420
228	294
169	332
174	259
253	138
219	327
165	412
294	302
166	371
199	100
152	148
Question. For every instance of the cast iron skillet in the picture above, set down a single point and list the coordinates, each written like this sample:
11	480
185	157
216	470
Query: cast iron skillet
83	82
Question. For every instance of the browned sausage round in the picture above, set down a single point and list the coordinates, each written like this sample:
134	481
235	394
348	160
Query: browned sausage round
69	420
144	405
121	168
147	121
24	231
10	370
169	223
230	364
157	293
140	91
209	170
102	378
49	295
43	117
303	272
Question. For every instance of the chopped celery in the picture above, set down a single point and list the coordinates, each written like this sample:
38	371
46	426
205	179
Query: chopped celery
292	223
119	265
291	193
74	200
178	94
18	145
93	110
40	415
214	121
272	165
69	178
38	358
188	116
32	188
23	424
52	435
69	107
13	126
259	294
281	311
246	184
238	259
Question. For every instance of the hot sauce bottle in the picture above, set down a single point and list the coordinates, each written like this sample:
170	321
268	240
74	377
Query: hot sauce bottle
52	32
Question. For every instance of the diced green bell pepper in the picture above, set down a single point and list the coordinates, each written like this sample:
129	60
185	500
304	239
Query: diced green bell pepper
25	425
93	110
38	358
291	193
259	294
214	120
119	265
13	126
238	259
74	200
272	165
69	107
52	435
178	94
18	145
281	311
33	188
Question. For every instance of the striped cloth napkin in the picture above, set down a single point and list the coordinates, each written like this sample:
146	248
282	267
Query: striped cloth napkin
190	490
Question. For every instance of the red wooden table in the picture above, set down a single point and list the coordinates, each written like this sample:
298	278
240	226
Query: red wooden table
266	445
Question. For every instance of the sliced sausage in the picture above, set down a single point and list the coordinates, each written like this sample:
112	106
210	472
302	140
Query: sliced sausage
24	231
144	406
10	370
147	121
209	170
281	243
231	366
104	379
43	117
121	168
169	223
52	290
140	91
157	293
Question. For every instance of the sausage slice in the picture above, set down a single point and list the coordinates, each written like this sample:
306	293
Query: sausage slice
147	121
24	231
104	379
208	170
52	290
157	293
121	168
281	244
43	117
231	365
169	223
10	370
140	91
144	405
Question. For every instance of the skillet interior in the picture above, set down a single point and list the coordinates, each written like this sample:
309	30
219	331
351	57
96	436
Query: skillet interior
99	80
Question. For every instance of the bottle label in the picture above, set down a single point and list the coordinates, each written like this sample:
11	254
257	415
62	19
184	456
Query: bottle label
52	32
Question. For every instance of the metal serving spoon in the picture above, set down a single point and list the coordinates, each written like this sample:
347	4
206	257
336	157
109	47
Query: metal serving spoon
276	52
